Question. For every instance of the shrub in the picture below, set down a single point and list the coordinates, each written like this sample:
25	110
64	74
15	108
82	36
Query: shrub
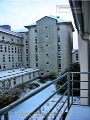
74	67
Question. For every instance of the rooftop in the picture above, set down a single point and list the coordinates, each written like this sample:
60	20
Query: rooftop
59	20
4	75
10	32
21	30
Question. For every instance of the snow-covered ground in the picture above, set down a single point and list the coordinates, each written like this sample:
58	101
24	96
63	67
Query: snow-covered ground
22	110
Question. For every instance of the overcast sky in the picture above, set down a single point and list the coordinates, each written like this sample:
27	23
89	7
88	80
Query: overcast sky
18	13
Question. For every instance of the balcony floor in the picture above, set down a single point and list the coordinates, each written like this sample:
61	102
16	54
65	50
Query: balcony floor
78	112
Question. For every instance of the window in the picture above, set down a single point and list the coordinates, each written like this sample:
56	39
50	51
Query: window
13	65
29	76
8	48
36	57
58	38
42	73
18	58
12	49
46	36
35	30
27	64
26	42
16	64
18	41
4	66
12	57
26	50
59	56
76	56
0	66
2	37
35	40
9	82
58	28
3	84
15	49
33	75
18	49
47	62
3	58
45	27
59	65
36	64
5	48
26	58
21	58
11	39
14	81
1	48
46	55
47	71
47	45
58	46
36	48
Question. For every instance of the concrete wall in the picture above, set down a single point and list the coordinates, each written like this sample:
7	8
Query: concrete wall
83	56
66	45
47	45
32	37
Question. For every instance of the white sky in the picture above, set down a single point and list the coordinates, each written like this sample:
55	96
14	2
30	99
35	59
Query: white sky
18	13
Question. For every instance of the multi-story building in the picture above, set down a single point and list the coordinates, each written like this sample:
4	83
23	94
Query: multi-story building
50	44
47	45
13	49
10	49
14	54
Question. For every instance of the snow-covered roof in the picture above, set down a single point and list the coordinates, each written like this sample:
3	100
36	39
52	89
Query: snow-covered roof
74	50
21	30
59	20
10	32
4	75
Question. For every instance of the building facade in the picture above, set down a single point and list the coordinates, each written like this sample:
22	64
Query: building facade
50	45
13	49
14	55
46	45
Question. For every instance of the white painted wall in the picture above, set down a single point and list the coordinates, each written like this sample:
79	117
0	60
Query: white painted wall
66	45
83	56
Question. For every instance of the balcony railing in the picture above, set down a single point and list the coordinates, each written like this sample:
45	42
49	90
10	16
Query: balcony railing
67	103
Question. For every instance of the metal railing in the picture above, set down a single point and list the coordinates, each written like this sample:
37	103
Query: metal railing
69	93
